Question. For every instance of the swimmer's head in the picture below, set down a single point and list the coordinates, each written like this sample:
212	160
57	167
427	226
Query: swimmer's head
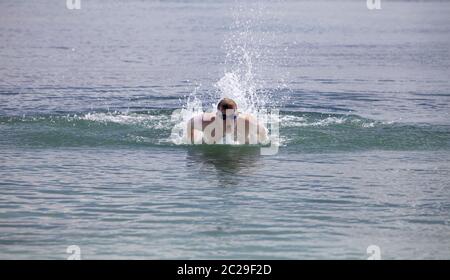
227	107
226	104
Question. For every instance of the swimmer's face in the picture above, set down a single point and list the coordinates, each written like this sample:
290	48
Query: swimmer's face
227	114
227	109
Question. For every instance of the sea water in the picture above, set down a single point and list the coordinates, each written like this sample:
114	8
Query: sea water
88	156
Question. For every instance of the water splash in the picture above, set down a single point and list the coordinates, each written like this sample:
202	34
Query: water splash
245	58
240	89
245	52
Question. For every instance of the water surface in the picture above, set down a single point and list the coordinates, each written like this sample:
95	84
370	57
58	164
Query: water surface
86	98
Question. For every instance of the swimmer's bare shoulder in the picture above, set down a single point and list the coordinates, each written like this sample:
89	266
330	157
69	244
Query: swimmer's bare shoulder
250	119
247	117
209	116
196	125
203	118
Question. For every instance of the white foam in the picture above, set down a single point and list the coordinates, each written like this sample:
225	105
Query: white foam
297	121
150	121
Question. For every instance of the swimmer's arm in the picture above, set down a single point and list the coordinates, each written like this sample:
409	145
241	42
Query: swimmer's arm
190	130
262	133
261	130
194	128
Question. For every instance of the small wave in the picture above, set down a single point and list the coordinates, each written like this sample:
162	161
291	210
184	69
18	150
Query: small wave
296	121
160	121
311	121
304	132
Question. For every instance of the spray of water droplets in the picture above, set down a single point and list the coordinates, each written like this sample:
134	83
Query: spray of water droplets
249	57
